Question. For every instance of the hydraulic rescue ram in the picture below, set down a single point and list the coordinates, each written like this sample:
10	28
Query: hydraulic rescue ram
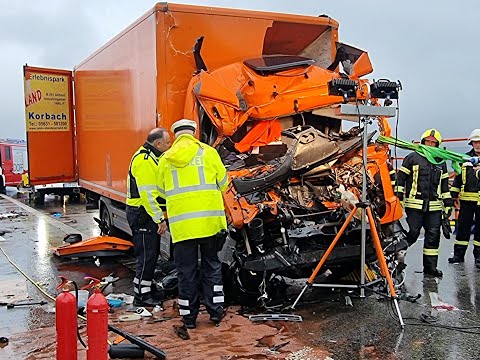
137	341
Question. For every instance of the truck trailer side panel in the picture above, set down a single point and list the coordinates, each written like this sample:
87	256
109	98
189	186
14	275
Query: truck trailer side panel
115	95
140	78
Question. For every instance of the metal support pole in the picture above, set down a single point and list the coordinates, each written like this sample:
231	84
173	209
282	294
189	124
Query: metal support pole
299	296
364	210
400	318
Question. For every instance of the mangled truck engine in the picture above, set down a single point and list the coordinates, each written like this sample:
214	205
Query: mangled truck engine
284	214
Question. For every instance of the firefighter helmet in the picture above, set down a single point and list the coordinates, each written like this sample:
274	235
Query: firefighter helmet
474	136
432	134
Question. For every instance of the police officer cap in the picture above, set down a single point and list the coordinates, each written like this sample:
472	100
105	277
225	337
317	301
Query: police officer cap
183	124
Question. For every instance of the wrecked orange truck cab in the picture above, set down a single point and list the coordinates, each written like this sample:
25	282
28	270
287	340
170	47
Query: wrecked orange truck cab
294	172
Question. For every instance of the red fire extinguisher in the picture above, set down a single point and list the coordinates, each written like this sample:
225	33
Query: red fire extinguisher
66	322
97	322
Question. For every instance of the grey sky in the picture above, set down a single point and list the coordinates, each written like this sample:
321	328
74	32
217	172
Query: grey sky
431	46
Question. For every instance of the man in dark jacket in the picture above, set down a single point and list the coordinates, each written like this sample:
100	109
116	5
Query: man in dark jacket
423	188
466	188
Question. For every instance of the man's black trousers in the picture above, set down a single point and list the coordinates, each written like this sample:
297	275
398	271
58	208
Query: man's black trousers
186	262
468	216
147	247
431	221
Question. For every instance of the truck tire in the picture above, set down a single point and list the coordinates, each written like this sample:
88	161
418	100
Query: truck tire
39	198
105	216
75	198
3	189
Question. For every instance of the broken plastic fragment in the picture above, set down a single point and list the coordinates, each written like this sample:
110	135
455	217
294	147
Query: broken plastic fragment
439	305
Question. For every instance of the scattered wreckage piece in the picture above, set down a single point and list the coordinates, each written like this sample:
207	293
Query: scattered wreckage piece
268	317
11	215
31	303
96	246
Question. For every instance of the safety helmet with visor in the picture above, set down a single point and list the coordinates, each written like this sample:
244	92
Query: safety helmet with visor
432	135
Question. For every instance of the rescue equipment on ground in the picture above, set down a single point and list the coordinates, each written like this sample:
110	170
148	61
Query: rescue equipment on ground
97	322
159	353
66	322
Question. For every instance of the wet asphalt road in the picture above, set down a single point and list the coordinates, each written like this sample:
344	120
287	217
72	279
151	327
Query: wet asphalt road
368	331
28	240
365	330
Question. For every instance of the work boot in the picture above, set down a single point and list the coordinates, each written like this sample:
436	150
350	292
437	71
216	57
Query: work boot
456	259
147	301
477	263
432	272
189	323
217	318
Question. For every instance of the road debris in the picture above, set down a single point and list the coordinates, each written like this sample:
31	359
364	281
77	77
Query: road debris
181	332
279	346
302	354
13	305
439	305
143	312
11	215
3	341
267	317
129	317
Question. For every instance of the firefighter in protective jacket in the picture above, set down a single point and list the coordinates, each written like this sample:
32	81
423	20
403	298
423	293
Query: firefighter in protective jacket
466	188
191	177
144	213
423	188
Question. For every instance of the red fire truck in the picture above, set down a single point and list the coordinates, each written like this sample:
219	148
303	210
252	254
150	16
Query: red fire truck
13	161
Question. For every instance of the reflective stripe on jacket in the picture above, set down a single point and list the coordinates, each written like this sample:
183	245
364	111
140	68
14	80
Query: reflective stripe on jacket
423	185
191	177
142	182
465	185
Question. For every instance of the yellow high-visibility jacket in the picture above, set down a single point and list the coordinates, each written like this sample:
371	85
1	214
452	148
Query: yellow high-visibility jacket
142	181
465	185
191	177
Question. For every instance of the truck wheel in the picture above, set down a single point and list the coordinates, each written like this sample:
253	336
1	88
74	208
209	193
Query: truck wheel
105	216
39	198
75	198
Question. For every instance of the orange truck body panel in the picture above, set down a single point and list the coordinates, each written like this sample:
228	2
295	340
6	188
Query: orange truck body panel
140	80
115	107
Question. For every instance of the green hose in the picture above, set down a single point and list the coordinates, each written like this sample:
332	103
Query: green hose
434	155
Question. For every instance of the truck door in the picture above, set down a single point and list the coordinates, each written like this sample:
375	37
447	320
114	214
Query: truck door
7	163
19	165
50	125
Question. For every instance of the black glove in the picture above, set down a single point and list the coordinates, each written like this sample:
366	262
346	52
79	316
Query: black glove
448	212
446	228
220	239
